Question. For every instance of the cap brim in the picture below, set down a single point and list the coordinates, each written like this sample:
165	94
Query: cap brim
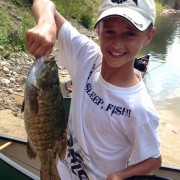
134	17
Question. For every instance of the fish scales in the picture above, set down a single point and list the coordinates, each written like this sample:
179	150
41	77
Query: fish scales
44	116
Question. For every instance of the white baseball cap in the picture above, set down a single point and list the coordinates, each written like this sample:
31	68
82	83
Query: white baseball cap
141	13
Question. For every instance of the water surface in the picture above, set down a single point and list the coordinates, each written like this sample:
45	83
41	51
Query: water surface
163	83
163	80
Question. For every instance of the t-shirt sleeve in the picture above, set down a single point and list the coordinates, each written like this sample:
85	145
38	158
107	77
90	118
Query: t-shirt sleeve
143	134
74	48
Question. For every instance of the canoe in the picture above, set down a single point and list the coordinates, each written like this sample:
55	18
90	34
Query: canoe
14	163
142	64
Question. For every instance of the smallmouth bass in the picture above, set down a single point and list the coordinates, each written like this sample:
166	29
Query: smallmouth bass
44	116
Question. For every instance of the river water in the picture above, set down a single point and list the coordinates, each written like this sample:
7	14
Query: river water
164	69
163	83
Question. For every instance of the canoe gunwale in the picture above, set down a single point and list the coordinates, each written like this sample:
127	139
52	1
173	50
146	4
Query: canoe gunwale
13	139
170	168
19	168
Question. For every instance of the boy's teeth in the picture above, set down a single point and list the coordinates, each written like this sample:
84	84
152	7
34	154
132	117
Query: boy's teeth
117	54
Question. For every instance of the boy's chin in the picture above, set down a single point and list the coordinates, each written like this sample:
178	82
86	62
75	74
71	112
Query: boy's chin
116	63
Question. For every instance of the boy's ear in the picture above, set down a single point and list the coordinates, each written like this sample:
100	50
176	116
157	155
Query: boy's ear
98	30
150	36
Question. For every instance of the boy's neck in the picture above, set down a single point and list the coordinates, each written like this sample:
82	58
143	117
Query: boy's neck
122	76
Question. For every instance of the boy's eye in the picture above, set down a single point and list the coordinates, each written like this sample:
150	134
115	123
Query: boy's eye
131	34
109	32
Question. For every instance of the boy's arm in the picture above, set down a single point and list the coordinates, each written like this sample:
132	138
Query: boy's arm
142	168
41	38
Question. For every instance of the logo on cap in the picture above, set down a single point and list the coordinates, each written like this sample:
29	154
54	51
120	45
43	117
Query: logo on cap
121	1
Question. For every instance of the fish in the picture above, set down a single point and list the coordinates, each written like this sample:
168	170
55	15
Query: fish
44	116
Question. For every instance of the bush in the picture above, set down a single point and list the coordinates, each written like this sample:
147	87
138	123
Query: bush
86	20
83	11
13	36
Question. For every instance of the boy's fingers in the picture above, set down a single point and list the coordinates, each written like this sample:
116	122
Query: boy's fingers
48	52
34	48
38	45
40	41
42	50
30	38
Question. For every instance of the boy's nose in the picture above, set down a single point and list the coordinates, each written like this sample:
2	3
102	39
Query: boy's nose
118	43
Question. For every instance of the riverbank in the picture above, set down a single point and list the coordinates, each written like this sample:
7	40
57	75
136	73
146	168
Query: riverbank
169	130
168	11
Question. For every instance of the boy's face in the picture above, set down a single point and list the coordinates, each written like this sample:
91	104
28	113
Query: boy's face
120	41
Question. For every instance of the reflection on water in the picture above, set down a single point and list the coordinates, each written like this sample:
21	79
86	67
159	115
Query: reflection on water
164	70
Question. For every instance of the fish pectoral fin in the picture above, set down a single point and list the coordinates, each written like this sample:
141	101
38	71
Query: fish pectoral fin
34	105
30	151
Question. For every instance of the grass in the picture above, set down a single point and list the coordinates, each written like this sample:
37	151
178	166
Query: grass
83	11
159	6
16	18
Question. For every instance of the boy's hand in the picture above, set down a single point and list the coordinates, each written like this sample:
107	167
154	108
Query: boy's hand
41	39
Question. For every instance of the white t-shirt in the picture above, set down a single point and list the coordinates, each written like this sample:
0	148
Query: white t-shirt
109	126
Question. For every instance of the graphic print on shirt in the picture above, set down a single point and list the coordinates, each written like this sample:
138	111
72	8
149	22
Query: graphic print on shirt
76	163
110	108
75	154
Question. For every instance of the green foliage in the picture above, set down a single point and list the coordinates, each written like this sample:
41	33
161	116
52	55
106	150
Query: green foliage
83	11
159	6
68	8
18	42
5	30
16	18
17	3
86	20
13	27
164	2
21	3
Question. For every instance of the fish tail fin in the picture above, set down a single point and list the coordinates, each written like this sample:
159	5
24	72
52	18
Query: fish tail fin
48	170
54	172
30	151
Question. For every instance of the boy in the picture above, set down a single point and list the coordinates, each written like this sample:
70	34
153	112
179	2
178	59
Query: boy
112	128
